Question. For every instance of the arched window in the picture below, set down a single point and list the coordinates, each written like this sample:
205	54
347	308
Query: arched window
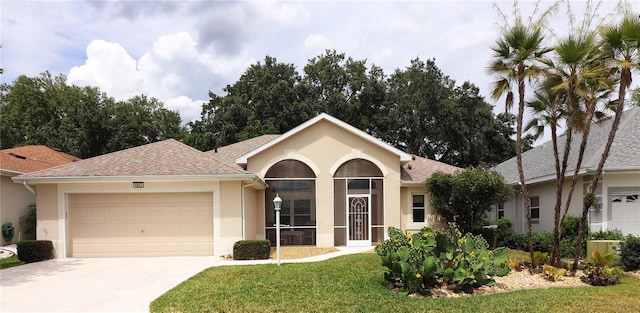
295	183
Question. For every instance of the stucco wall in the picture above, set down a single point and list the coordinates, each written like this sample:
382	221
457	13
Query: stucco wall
14	199
48	221
324	147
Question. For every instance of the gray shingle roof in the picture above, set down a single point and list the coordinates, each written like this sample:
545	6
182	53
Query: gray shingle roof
163	158
539	165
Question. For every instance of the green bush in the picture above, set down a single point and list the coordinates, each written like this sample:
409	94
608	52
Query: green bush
519	242
251	250
630	252
419	262
34	250
606	235
504	232
570	228
542	241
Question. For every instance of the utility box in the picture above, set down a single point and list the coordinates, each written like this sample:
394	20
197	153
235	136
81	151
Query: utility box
602	246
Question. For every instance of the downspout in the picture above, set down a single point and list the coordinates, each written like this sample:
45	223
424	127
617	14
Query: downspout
24	183
243	206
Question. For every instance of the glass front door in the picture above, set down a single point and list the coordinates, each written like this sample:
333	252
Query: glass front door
359	220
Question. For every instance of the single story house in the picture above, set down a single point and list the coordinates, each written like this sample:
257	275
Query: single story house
618	192
339	186
15	199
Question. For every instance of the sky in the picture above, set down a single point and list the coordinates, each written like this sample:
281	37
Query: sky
179	51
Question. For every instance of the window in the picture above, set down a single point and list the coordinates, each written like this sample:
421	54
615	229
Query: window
535	208
500	210
418	209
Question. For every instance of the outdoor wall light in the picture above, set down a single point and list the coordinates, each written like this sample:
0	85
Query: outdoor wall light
277	203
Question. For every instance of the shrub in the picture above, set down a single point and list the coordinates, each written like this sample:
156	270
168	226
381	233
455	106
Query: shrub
519	242
630	252
504	232
542	241
601	272
553	273
419	262
606	235
251	250
540	257
34	250
570	228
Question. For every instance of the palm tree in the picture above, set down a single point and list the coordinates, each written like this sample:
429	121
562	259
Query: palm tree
516	57
621	46
578	72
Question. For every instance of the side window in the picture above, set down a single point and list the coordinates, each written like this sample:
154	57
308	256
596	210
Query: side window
535	208
500	210
418	209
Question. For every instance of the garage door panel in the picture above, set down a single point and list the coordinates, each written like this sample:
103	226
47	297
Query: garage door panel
140	224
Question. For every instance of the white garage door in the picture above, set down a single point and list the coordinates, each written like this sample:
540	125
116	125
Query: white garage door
625	213
140	224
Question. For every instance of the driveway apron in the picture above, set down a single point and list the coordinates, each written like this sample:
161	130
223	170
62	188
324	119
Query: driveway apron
94	285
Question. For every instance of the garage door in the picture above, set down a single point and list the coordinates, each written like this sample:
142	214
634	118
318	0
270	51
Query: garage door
625	213
140	224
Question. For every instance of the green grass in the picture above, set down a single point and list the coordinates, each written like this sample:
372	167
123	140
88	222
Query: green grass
355	283
10	262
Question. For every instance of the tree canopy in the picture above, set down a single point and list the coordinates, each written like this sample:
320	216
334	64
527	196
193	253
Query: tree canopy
82	121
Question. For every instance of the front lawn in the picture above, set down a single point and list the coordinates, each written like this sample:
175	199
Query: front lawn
355	283
10	262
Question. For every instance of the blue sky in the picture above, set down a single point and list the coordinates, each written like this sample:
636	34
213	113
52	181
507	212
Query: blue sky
178	51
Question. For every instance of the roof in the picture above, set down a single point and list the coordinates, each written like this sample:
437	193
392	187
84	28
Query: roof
404	157
27	159
419	169
231	152
168	158
538	162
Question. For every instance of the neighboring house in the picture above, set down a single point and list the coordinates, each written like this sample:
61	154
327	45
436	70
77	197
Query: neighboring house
14	199
618	192
339	186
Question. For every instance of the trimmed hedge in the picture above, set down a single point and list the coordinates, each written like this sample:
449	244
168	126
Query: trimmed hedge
30	251
251	250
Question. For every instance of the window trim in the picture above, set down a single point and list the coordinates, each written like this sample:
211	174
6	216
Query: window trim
531	207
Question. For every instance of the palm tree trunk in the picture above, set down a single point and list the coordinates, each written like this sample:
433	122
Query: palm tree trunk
523	184
603	158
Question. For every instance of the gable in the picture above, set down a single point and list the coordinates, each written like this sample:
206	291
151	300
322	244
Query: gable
336	123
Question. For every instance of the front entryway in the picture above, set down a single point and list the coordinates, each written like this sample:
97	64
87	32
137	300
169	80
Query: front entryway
359	227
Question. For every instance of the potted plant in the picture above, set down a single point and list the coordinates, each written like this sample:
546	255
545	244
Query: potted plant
7	232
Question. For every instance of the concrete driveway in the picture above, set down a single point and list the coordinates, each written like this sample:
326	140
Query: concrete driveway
94	285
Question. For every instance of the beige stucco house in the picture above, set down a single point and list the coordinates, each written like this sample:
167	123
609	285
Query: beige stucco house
618	193
15	199
339	186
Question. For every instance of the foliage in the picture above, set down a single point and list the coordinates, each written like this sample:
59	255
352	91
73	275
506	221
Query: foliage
34	250
251	250
81	121
29	220
417	263
570	228
540	258
504	232
630	252
466	196
553	273
601	271
543	242
609	234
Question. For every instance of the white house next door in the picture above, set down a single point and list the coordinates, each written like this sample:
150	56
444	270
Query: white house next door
359	220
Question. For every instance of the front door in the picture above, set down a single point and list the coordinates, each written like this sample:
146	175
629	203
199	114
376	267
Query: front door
359	220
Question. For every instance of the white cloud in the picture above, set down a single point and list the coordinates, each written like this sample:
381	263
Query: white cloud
317	41
173	70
